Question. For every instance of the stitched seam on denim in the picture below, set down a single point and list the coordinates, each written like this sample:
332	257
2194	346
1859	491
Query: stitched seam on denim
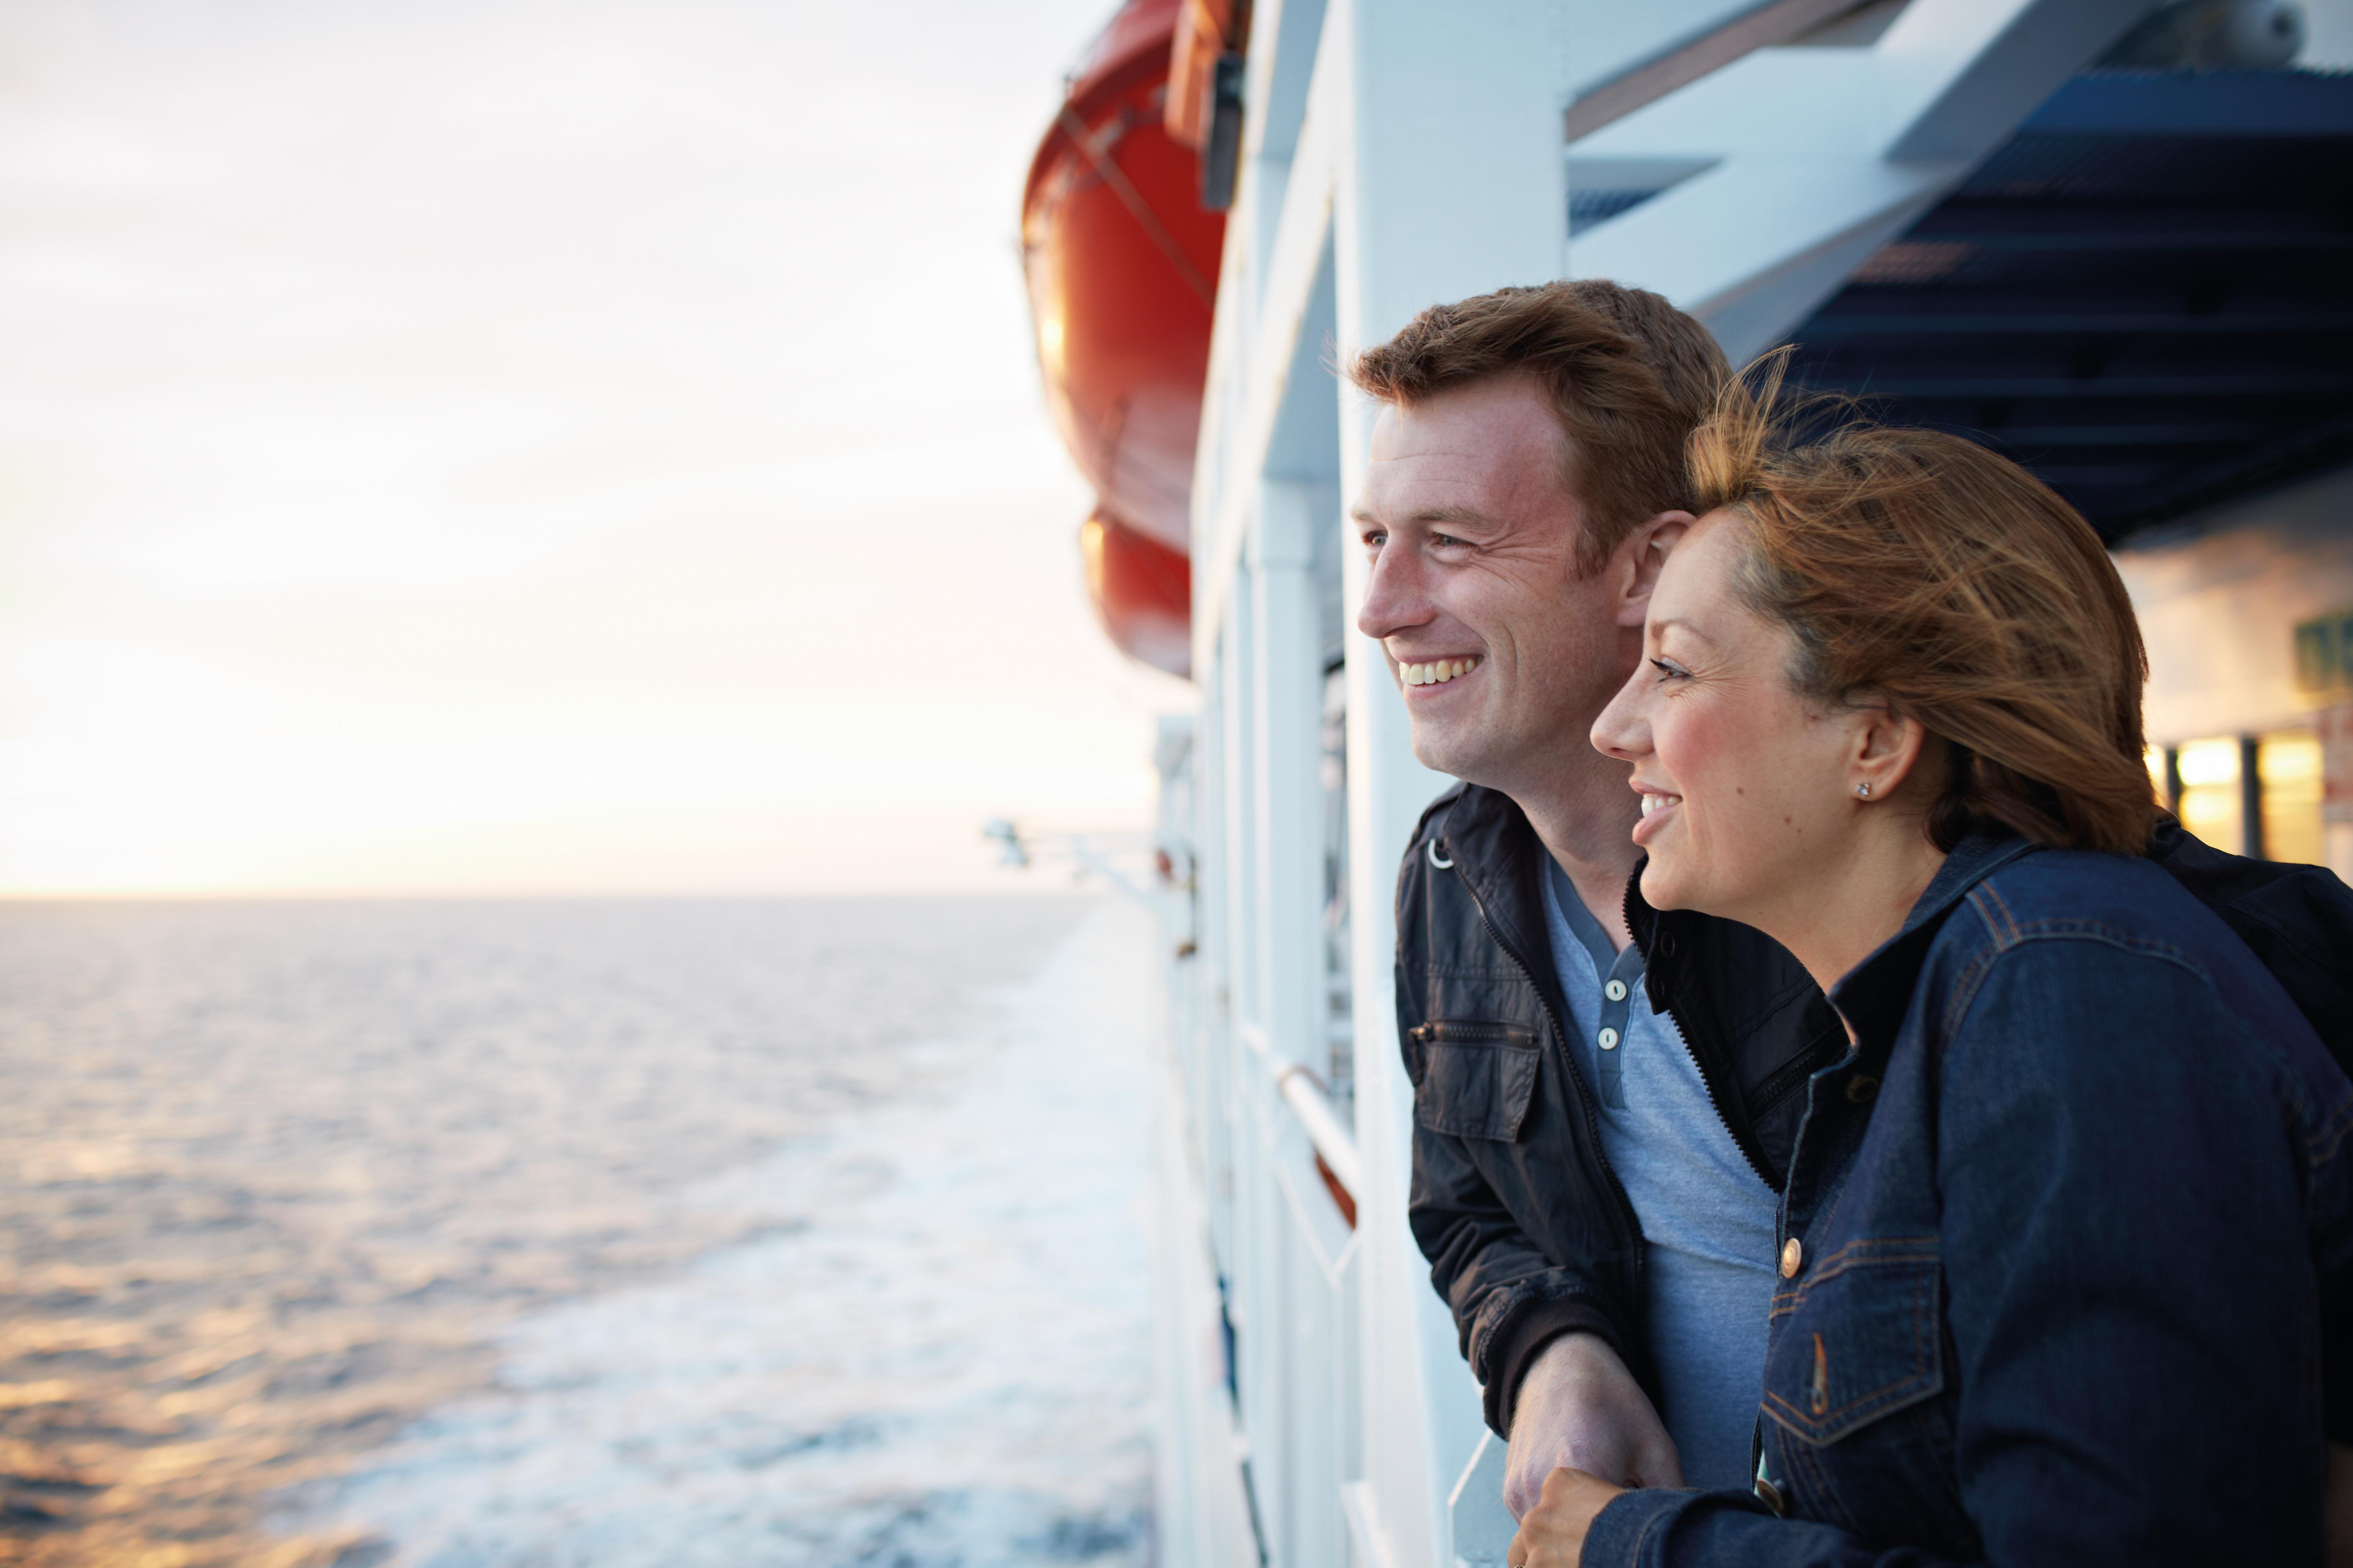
2060	928
1991	894
1789	1300
1832	1418
1920	1363
2330	1135
1964	987
1864	1252
1820	1481
2068	928
1658	1517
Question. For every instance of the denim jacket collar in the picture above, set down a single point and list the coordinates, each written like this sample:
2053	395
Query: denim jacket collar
1874	995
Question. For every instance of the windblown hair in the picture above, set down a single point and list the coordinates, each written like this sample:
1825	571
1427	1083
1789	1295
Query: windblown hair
1921	570
1628	374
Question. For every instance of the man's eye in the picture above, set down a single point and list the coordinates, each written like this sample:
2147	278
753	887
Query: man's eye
1375	540
1446	541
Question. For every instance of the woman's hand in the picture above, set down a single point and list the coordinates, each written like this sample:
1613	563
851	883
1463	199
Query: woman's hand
1552	1534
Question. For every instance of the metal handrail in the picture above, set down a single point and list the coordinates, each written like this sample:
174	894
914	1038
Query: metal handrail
1310	1101
1319	1118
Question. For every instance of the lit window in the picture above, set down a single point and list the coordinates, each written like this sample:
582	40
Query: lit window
2288	765
2209	792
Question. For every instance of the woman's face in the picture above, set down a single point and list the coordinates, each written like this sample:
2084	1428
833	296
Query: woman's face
1744	781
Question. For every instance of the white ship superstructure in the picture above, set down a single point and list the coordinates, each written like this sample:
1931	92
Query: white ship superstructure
2127	276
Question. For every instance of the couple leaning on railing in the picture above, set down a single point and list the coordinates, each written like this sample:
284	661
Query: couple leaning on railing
1880	1134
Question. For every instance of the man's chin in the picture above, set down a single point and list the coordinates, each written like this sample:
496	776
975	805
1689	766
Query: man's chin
1442	752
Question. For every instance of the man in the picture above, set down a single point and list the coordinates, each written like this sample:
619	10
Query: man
1599	1136
1522	487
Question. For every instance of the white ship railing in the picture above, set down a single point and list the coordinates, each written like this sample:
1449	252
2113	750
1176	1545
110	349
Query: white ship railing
1396	153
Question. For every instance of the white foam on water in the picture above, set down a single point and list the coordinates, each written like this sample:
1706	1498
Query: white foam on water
939	1356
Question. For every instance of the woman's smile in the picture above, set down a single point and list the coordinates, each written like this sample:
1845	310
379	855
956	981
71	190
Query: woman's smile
1658	807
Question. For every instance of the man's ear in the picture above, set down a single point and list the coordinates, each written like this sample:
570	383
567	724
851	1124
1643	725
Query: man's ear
1644	551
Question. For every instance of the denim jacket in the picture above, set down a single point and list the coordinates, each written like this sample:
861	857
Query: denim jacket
2056	1241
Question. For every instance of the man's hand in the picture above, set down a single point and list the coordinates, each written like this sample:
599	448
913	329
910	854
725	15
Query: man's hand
1553	1533
1580	1409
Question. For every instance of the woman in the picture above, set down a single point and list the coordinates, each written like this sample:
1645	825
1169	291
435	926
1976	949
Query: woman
2058	1227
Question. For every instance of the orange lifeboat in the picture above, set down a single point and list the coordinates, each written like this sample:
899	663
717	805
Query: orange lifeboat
1122	258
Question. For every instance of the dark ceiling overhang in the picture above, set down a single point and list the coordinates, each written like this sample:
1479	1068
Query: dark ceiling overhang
2146	296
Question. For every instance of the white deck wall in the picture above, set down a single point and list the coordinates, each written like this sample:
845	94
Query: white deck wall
1398	153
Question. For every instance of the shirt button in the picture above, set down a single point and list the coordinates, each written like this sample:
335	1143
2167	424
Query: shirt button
1614	991
1609	1039
1793	1257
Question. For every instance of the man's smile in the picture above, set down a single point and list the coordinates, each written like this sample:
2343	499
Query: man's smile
1436	672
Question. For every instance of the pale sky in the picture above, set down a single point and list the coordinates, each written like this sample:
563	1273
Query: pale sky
529	448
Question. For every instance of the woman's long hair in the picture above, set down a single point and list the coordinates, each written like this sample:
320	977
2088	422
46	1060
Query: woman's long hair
1921	570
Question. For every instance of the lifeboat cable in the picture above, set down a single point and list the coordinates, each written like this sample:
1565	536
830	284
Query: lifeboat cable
1137	207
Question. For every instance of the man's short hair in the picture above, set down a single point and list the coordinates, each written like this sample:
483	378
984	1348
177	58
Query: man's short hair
1630	378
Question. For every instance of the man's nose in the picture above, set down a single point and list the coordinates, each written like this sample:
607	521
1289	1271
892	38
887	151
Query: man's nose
1393	596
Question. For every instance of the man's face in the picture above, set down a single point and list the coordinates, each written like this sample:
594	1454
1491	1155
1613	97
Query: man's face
1505	653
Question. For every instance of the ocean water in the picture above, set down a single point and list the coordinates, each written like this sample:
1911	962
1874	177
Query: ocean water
587	1233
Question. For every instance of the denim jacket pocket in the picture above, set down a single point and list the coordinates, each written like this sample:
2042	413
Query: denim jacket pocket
1473	1078
1855	1433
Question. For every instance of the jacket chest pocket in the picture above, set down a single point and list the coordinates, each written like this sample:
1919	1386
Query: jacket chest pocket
1855	1435
1472	1078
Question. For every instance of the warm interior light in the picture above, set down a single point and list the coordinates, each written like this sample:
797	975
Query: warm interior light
2214	762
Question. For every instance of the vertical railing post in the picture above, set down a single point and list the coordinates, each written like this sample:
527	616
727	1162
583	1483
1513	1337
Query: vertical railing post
1287	703
1450	182
1304	1519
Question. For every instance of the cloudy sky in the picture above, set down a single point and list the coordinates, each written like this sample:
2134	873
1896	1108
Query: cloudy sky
513	446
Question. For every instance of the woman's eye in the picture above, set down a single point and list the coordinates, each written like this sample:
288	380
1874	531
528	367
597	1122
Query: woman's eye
1668	669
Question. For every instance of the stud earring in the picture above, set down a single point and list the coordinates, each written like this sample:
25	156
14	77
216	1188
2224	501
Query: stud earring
1864	789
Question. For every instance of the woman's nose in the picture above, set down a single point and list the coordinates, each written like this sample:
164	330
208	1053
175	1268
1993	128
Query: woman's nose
1622	732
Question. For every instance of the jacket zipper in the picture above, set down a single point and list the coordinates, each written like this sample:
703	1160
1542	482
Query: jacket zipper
1576	1077
1708	1077
1444	1029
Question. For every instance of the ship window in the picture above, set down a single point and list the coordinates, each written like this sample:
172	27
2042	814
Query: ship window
2209	792
2288	767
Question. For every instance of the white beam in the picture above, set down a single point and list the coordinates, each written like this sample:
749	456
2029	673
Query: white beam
1814	157
1450	183
1260	317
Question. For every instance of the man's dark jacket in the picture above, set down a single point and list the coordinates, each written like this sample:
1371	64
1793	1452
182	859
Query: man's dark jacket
1528	1232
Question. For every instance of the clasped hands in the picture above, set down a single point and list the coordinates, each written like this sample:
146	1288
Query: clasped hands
1581	1416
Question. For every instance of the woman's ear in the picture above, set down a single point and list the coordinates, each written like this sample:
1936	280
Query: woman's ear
1889	746
1644	551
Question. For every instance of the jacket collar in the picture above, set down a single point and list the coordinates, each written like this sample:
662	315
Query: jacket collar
1495	852
1874	995
1493	846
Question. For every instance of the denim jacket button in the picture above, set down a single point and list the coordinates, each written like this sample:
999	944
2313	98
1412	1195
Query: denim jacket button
1793	1257
1771	1496
1862	1087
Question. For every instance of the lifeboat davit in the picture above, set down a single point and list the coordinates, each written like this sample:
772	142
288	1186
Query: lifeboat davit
1121	258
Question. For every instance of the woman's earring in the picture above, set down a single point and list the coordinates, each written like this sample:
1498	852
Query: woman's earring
1864	789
